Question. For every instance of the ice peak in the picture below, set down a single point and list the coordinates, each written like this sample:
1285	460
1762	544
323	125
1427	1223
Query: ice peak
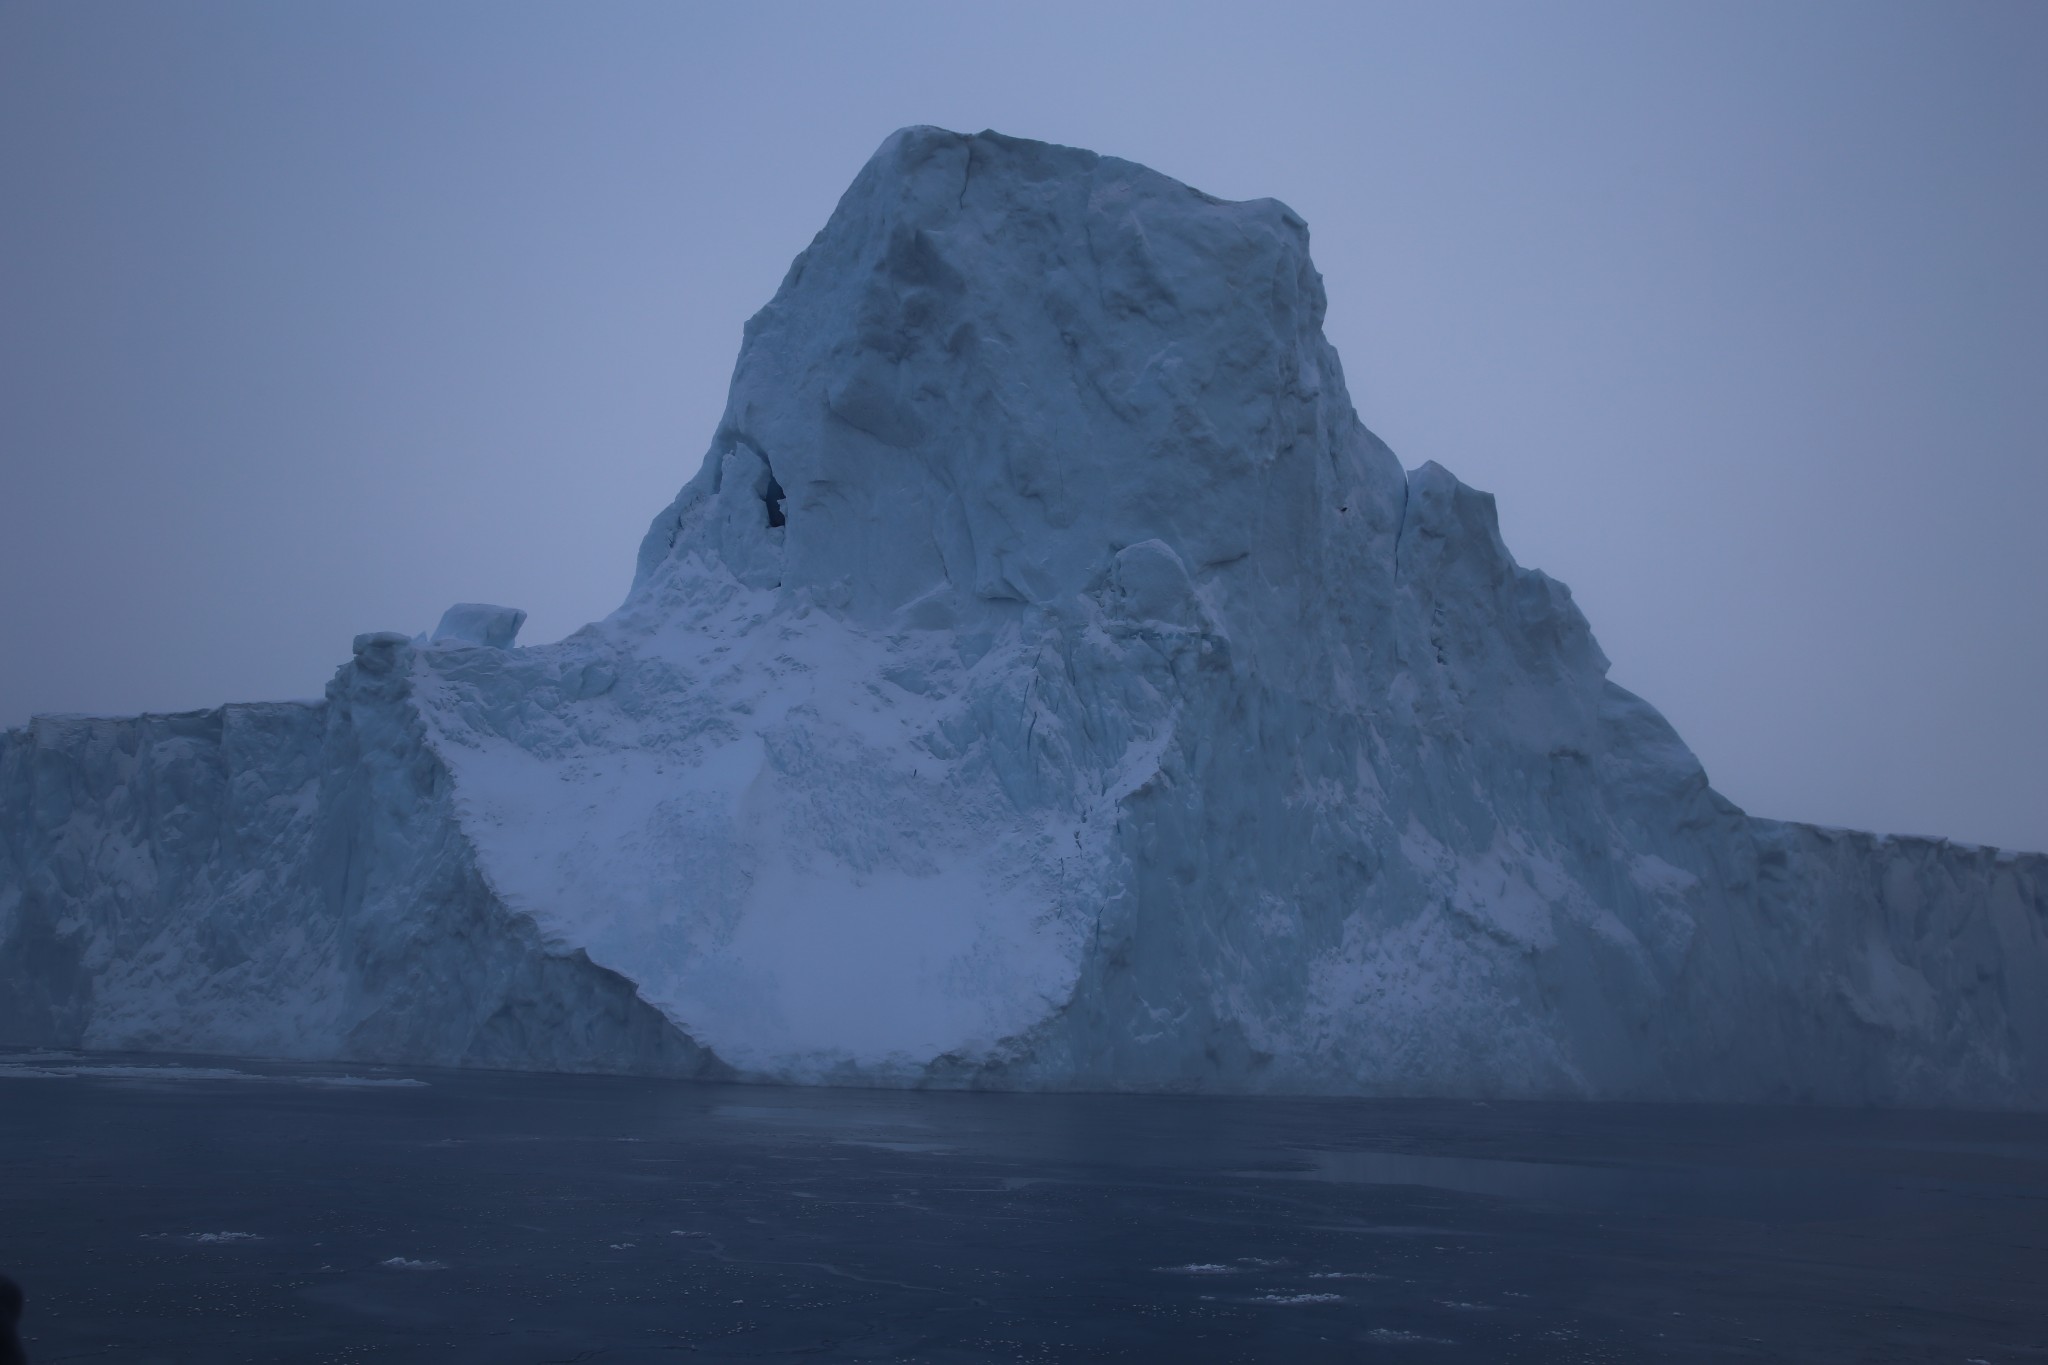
1002	362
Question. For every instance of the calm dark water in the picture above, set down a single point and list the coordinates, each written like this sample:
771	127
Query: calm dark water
193	1210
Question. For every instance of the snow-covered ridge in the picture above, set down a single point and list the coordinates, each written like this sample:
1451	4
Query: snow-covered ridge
1046	681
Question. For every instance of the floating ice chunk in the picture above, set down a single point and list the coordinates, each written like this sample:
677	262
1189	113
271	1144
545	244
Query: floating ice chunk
174	1072
1046	681
403	1263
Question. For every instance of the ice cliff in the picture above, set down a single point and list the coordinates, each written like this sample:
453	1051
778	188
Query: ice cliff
1045	682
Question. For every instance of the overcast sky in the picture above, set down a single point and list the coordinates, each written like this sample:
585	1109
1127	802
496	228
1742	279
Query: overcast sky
317	318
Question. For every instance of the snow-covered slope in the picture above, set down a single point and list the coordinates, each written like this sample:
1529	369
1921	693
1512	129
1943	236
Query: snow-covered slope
1046	681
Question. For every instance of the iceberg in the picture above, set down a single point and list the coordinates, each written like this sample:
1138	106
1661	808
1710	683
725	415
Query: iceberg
1046	682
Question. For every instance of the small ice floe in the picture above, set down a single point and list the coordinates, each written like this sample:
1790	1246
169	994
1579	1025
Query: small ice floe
1466	1307
622	1246
123	1073
1299	1298
1258	1262
1198	1268
1344	1275
404	1263
205	1237
1392	1335
886	1145
161	1072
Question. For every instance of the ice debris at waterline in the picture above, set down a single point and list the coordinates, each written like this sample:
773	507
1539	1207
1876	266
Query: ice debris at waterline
1045	682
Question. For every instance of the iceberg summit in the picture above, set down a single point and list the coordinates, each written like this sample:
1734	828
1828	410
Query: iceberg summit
1046	682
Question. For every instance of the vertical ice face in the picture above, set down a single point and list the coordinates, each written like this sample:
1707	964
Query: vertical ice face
1046	681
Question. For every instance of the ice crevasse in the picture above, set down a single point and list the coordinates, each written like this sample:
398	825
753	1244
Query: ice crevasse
1046	682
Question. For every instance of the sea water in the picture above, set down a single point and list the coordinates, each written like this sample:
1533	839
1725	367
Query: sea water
188	1209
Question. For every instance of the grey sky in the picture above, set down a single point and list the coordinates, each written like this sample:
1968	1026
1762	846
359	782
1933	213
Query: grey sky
314	319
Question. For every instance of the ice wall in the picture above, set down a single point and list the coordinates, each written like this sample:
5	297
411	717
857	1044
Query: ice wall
1046	681
282	880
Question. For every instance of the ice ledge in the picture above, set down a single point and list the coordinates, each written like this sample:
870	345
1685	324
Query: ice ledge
479	623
